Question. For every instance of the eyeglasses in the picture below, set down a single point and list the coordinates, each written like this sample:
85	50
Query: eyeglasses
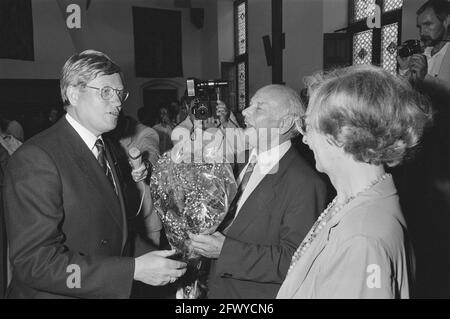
301	125
107	93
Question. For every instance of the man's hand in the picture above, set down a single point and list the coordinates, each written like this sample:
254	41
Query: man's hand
140	173
403	63
154	268
223	113
208	246
202	124
418	67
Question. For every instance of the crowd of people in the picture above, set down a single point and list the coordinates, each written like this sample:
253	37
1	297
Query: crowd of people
368	219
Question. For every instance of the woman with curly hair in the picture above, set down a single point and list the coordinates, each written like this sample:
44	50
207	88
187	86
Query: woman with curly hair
359	120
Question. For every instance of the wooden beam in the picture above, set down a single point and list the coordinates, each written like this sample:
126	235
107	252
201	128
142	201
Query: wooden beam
277	41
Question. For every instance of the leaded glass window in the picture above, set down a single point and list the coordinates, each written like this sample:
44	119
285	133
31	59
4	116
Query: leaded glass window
362	47
363	9
389	5
242	30
389	38
372	45
241	54
242	93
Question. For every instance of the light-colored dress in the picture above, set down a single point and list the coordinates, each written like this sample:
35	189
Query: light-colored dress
362	252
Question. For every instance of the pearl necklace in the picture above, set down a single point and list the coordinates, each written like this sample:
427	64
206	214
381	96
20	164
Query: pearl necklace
324	218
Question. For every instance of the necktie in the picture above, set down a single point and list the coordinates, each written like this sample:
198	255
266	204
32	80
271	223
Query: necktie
226	223
101	158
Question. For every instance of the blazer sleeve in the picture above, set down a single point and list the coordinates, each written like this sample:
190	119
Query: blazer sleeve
147	141
33	197
270	263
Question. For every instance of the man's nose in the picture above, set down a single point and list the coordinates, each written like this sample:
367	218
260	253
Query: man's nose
423	31
116	101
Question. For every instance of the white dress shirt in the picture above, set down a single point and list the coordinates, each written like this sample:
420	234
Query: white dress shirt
267	163
435	61
85	134
90	140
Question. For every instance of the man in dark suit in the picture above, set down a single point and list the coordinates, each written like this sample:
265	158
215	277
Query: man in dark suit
278	199
64	208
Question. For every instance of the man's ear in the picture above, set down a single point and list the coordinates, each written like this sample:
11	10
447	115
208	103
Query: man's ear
286	124
72	94
447	24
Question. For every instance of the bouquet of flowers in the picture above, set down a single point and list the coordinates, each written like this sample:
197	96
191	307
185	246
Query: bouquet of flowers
191	198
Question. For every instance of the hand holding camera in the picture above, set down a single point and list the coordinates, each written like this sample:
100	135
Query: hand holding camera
222	111
410	57
205	100
418	67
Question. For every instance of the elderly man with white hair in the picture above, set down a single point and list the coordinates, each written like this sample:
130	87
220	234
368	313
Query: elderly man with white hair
278	197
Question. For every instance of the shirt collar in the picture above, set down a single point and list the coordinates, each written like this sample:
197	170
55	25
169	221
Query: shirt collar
88	138
268	159
443	50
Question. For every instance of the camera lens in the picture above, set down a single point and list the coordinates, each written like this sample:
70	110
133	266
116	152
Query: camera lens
404	52
202	112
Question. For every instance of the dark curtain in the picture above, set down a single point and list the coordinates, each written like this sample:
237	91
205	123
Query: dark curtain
157	43
16	30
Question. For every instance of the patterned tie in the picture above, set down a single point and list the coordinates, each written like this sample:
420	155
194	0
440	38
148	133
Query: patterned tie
226	223
101	158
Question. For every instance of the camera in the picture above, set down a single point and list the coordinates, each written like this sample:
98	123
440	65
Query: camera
204	96
409	48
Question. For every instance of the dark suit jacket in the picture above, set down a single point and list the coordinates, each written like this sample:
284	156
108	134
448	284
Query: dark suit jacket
4	157
266	232
61	210
424	186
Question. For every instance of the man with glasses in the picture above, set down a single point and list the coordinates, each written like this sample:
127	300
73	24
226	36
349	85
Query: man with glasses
64	208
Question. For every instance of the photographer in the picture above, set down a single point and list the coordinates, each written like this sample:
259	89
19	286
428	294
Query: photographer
210	127
425	182
430	70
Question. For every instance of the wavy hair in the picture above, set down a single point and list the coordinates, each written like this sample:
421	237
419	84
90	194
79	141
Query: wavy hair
374	115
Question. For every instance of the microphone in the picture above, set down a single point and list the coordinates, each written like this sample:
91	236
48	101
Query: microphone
135	157
136	161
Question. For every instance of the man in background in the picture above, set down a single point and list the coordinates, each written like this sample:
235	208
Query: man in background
424	184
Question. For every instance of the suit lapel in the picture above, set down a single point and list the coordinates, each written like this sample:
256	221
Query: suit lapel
115	169
262	194
306	262
301	270
90	168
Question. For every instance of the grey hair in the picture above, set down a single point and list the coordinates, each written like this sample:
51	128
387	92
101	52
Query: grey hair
84	67
374	115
